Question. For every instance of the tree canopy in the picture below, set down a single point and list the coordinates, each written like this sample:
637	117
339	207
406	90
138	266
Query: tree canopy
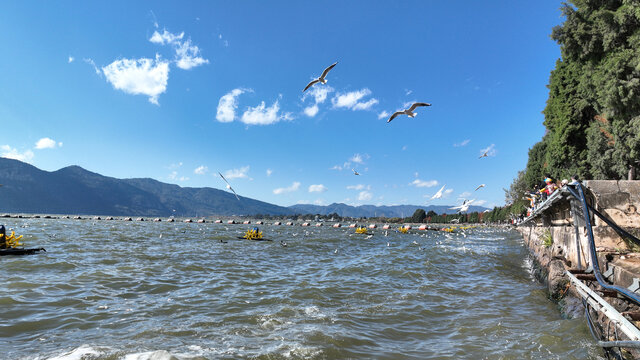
592	115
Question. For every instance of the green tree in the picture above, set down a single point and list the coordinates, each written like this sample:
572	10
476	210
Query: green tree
418	216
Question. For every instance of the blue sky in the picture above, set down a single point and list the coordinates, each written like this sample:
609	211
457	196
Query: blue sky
178	92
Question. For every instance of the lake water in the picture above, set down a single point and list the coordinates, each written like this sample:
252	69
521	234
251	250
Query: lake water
147	290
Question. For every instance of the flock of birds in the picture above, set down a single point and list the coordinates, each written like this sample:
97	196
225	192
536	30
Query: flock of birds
410	112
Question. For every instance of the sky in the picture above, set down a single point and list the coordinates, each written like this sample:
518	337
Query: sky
182	91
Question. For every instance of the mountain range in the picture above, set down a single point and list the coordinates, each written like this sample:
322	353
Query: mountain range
74	190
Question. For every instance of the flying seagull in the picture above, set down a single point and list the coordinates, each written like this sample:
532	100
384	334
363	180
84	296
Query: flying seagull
355	172
408	111
229	186
486	153
438	195
479	186
321	79
464	207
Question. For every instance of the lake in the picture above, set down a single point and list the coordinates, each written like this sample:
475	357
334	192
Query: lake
159	290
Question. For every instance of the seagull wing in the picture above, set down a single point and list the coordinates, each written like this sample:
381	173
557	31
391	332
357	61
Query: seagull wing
394	115
415	105
310	84
326	71
479	186
229	186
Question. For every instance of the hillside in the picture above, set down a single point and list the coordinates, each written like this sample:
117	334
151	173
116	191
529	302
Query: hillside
74	190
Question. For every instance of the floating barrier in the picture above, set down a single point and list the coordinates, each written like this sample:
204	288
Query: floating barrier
230	222
373	226
361	230
337	225
277	223
386	227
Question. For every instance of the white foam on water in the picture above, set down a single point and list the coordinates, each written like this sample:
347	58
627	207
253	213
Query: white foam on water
151	355
80	353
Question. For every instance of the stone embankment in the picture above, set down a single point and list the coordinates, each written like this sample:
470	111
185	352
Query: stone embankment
556	233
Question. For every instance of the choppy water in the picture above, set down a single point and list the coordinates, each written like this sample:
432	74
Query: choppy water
118	290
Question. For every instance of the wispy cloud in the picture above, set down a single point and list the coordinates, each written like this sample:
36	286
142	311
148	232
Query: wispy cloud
187	55
358	159
358	187
70	60
47	143
93	64
201	170
491	150
365	196
240	173
462	143
175	166
142	76
351	100
269	172
228	104
421	183
262	115
13	153
294	187
448	191
317	188
383	115
319	95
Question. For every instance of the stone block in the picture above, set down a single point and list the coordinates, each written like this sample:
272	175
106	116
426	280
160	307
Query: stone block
602	187
631	187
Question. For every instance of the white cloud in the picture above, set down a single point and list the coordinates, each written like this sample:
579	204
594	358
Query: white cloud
317	188
165	38
357	158
269	172
201	170
173	175
464	195
383	115
319	93
365	105
187	55
311	111
365	196
351	100
183	178
294	187
71	58
448	191
228	104
12	153
320	202
480	202
175	166
491	151
462	143
408	92
46	143
358	187
142	76
237	173
422	183
262	115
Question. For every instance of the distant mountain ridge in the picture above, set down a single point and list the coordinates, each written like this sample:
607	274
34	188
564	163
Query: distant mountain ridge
74	190
374	211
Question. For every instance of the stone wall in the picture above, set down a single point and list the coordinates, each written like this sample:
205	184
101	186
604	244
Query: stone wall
557	236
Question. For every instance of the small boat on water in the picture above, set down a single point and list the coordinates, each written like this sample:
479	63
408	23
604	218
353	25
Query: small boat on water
20	251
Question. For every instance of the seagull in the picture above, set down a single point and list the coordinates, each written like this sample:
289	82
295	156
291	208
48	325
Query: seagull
408	111
222	241
355	172
438	195
284	244
388	244
480	186
229	186
321	79
464	207
486	153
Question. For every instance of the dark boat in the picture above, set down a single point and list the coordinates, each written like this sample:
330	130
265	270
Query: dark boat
4	252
